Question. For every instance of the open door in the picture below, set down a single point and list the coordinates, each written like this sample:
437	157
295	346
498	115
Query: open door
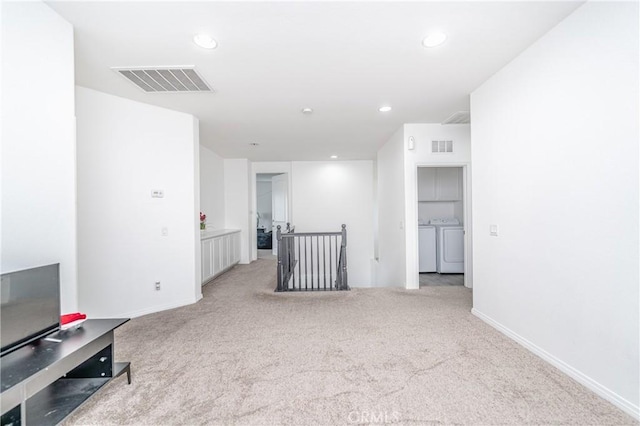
280	205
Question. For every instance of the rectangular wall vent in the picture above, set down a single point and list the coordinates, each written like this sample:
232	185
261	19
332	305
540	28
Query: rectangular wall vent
460	117
178	79
442	147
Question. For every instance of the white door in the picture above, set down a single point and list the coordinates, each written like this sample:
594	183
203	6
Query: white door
426	183
235	238
449	183
217	255
207	266
279	205
226	252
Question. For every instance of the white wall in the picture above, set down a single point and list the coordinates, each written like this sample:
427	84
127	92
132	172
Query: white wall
329	194
125	150
197	244
421	155
555	137
391	265
38	224
212	188
236	203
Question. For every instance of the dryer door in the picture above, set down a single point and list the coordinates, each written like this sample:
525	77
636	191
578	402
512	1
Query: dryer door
452	255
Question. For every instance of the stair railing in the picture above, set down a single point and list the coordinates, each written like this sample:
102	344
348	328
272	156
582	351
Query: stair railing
312	261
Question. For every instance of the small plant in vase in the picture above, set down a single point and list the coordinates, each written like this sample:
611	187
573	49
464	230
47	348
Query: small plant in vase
203	221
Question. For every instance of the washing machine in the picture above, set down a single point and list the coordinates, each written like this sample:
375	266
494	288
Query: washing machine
449	245
427	257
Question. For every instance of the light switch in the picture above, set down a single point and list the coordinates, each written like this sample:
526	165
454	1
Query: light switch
157	193
165	231
493	230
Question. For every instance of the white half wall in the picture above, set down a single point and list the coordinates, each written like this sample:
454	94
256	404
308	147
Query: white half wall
126	149
555	137
421	155
391	262
212	188
237	202
329	194
38	215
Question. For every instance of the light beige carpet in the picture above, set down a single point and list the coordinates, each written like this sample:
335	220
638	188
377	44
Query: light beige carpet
247	355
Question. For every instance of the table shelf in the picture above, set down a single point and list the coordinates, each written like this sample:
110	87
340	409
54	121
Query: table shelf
44	382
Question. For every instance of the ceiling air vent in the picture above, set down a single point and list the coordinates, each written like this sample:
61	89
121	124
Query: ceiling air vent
441	147
178	79
460	117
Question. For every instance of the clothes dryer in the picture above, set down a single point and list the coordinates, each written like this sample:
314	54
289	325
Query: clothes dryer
450	245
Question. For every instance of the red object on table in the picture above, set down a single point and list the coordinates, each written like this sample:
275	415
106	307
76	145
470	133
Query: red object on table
67	318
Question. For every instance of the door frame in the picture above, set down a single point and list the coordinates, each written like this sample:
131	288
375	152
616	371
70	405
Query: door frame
274	237
412	258
281	167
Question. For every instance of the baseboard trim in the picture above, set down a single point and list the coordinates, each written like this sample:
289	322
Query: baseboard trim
154	309
606	393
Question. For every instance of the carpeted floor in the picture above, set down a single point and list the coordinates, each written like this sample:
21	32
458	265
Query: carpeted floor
246	355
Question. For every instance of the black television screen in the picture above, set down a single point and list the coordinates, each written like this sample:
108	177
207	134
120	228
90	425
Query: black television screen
30	305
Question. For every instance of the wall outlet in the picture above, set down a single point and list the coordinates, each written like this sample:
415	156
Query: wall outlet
493	230
157	285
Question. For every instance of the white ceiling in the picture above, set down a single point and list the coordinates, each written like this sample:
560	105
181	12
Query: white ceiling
342	59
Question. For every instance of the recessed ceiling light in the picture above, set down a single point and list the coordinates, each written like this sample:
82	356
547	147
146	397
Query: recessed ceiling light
434	39
205	41
384	109
334	157
307	110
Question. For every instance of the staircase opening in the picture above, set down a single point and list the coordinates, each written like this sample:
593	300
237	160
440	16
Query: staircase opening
312	261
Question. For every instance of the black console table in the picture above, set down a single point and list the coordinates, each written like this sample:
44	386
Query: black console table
43	382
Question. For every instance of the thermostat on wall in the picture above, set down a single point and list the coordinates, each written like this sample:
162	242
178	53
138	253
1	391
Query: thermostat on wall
157	193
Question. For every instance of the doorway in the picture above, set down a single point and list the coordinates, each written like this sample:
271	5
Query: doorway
441	226
271	211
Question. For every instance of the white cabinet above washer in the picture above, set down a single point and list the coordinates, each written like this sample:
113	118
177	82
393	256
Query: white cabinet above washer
439	183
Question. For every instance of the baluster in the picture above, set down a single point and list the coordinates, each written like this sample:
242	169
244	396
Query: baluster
299	266
278	239
324	261
337	257
306	276
330	265
345	279
318	259
293	255
310	257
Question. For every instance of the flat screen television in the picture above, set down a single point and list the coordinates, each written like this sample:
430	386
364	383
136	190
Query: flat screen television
30	305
